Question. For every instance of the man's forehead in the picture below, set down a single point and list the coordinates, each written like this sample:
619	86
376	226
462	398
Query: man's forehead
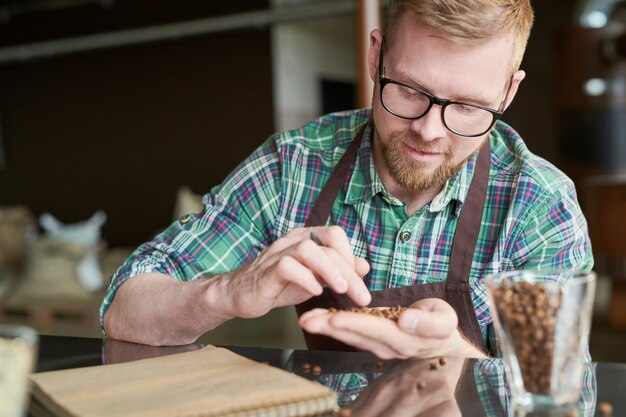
460	84
449	68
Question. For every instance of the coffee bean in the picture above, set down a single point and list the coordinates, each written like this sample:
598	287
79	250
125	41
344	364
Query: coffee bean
317	370
345	412
606	409
421	385
443	361
433	366
571	413
305	366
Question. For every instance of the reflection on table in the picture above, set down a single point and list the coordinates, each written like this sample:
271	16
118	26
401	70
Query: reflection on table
367	385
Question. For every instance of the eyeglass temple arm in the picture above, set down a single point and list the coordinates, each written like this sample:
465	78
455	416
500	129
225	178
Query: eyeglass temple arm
506	96
381	69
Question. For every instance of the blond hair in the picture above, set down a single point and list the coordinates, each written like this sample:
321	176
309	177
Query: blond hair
469	21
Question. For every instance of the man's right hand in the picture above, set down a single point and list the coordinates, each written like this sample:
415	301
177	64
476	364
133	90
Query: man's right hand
295	268
155	309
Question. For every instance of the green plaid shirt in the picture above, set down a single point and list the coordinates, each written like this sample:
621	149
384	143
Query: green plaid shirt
531	218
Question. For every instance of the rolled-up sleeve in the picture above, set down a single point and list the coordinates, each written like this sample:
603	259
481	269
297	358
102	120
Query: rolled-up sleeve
235	225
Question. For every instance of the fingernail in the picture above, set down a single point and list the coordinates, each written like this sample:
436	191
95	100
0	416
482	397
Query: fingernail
316	288
341	284
364	297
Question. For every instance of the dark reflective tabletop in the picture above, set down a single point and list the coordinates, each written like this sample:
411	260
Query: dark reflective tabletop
367	385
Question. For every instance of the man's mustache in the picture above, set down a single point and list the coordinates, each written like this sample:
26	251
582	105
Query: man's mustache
415	143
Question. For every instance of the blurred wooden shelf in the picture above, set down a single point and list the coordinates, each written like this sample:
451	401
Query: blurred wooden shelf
64	317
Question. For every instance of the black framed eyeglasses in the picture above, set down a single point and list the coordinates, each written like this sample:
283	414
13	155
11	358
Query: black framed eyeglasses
460	118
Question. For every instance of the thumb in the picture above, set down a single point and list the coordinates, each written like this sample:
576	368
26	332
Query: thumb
430	318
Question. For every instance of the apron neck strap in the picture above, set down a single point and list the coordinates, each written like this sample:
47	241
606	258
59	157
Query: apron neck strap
470	219
325	200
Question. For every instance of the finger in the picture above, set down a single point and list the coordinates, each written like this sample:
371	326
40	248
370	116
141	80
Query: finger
330	236
383	330
319	321
334	237
312	313
289	269
279	245
361	266
339	270
432	304
381	350
433	318
321	324
314	321
331	268
357	290
323	262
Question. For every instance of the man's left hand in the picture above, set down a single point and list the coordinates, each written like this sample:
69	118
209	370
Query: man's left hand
428	328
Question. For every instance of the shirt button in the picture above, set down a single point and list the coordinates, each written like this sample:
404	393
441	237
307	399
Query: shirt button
185	219
405	236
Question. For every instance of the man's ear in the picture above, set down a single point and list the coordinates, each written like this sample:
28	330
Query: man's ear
376	41
516	80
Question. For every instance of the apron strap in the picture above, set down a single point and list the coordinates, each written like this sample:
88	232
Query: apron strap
470	219
325	200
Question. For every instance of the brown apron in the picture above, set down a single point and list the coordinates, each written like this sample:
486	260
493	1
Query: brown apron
455	290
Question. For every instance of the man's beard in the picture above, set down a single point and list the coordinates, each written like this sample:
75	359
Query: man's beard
411	174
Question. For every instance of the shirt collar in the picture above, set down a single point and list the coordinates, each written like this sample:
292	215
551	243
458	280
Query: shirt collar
455	189
365	182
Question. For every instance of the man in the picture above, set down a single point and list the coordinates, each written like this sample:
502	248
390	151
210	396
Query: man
410	203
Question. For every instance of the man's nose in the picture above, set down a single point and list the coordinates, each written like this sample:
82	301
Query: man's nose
430	126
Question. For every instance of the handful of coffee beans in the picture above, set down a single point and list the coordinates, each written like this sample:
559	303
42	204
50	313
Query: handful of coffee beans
528	312
391	313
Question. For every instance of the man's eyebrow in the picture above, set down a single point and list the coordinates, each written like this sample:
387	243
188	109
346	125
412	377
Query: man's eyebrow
479	99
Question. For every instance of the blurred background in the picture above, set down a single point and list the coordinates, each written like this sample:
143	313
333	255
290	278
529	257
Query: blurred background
115	115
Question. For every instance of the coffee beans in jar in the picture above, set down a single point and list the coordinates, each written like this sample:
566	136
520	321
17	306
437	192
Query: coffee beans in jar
528	312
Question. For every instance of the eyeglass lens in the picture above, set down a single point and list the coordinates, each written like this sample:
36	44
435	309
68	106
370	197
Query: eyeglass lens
461	118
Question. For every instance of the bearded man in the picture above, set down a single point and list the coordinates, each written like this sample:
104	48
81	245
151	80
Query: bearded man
410	202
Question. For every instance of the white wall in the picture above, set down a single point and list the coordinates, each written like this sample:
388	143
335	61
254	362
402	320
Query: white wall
303	52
